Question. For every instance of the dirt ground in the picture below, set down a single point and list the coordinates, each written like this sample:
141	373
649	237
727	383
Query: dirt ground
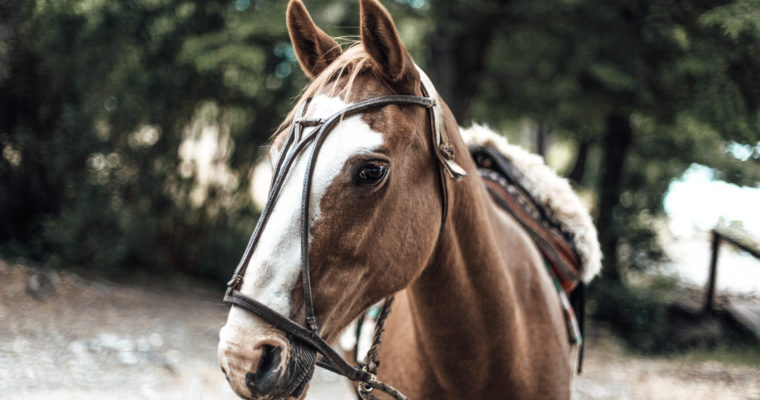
64	337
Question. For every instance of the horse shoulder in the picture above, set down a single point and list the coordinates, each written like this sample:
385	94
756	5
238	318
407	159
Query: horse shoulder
546	349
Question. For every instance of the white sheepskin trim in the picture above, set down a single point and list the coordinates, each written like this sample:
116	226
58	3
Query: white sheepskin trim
551	191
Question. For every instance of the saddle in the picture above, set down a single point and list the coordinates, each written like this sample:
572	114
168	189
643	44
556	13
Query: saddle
504	183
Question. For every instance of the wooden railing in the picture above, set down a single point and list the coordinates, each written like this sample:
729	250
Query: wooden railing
717	238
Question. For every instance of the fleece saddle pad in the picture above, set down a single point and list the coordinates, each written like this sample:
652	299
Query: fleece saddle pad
503	182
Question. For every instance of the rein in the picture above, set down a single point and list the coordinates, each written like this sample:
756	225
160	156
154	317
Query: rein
295	144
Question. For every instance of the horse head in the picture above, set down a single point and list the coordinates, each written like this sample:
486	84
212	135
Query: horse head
374	203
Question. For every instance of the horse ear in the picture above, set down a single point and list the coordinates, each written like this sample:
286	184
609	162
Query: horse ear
383	44
314	49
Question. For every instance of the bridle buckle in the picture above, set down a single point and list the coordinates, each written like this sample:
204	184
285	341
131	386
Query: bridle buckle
366	386
235	282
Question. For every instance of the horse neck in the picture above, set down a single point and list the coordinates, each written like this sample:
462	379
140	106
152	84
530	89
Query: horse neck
465	292
464	321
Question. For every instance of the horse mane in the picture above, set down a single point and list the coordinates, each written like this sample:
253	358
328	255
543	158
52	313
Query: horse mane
551	191
351	63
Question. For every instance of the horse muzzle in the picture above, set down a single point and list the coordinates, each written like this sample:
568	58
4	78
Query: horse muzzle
270	366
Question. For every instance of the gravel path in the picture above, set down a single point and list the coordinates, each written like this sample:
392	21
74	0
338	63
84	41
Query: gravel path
64	337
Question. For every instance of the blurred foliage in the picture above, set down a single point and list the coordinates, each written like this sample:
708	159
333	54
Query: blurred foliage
129	129
98	98
644	89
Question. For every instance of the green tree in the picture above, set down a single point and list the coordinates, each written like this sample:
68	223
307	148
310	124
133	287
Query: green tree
643	89
97	98
103	104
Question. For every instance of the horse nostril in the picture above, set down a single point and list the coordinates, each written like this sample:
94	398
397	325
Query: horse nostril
266	377
270	358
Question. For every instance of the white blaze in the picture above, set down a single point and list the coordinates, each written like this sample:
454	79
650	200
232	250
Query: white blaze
275	265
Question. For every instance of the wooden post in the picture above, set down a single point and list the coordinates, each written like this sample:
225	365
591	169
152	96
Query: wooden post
713	271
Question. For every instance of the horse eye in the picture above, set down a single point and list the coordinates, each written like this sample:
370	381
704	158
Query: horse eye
371	173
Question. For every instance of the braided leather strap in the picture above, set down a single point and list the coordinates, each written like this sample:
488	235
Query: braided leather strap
371	361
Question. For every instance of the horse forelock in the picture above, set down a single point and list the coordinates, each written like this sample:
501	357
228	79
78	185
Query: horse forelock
349	65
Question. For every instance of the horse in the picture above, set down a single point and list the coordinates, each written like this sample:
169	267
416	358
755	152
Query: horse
392	206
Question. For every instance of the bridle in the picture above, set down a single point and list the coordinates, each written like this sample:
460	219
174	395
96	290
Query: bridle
296	143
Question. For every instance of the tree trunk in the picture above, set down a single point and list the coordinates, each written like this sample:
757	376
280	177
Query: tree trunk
9	10
616	144
457	50
579	168
542	133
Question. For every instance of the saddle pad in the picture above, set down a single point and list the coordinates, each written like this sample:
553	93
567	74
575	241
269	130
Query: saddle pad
503	183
